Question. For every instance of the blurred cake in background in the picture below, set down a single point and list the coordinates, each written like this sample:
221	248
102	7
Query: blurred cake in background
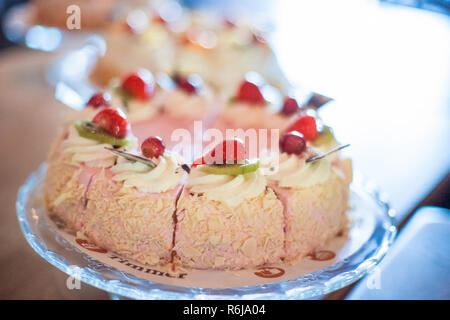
93	14
171	40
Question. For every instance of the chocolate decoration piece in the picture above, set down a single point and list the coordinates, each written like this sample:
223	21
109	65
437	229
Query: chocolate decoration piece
186	168
323	155
317	100
132	157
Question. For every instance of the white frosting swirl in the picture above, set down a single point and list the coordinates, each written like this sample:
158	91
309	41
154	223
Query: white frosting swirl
184	105
167	175
294	172
229	189
87	151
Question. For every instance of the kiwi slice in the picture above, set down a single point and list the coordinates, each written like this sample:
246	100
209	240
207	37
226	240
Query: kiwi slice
231	169
88	130
326	137
119	91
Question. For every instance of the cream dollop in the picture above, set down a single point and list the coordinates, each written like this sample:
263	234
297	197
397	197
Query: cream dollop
229	189
90	152
137	110
294	172
84	114
167	175
181	104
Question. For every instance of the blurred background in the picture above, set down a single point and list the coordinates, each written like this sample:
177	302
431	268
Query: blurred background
386	64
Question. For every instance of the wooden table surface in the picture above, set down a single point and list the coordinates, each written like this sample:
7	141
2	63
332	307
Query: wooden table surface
393	107
29	118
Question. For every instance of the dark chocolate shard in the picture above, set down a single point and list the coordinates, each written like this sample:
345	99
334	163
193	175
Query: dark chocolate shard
186	168
132	157
317	100
324	154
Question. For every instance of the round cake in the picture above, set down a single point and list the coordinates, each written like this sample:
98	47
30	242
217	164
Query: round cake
193	152
231	206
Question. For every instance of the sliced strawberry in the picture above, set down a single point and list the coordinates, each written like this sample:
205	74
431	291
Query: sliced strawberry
139	85
228	151
99	99
250	92
290	106
112	121
306	125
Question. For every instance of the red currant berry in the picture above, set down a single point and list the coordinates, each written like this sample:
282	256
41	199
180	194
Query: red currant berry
290	106
98	100
112	121
249	92
292	142
190	84
153	147
139	85
306	125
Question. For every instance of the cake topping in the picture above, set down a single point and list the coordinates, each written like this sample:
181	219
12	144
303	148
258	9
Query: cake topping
292	143
113	121
227	158
232	169
166	175
324	154
290	106
89	130
139	85
99	99
306	125
190	84
325	138
132	157
153	147
227	152
86	143
294	172
250	92
227	188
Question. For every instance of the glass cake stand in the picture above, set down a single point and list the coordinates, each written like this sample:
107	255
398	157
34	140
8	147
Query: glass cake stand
369	245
